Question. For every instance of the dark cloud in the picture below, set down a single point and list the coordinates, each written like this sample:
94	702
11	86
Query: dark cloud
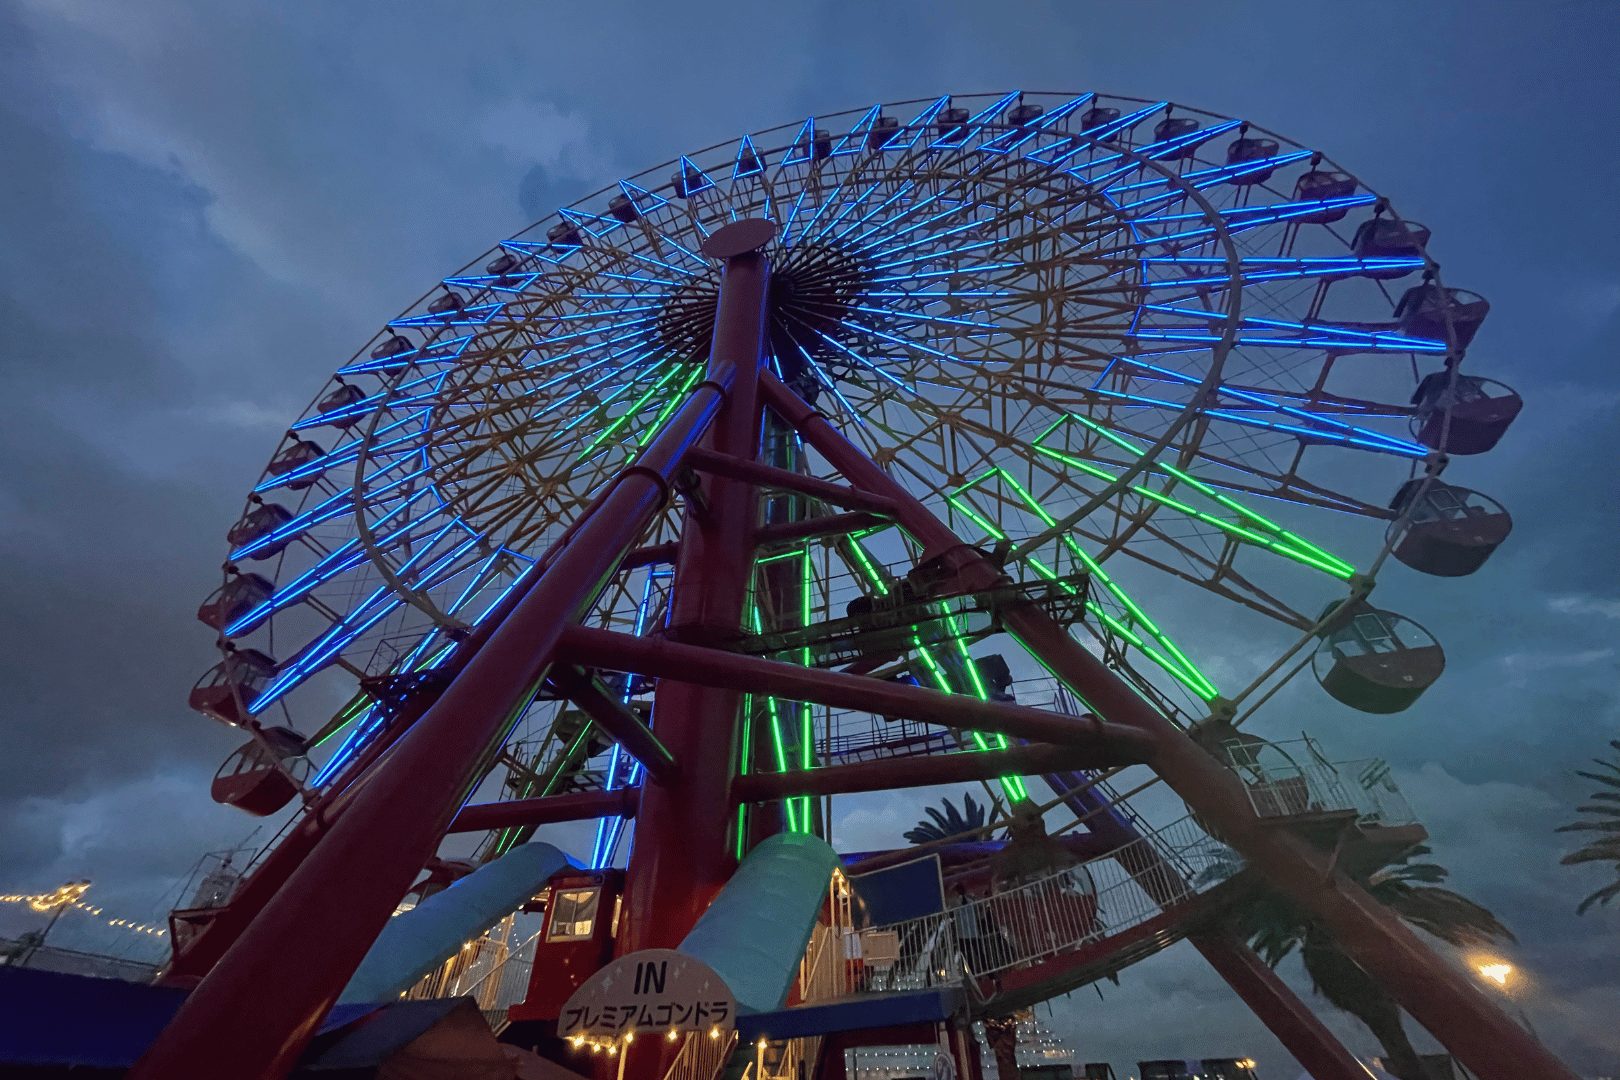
205	210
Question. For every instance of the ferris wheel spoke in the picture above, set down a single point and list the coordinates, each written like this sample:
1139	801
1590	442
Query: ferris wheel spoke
345	557
1022	134
443	352
405	436
382	602
1239	219
1255	530
1157	645
1135	627
1254	269
1155	151
1247	410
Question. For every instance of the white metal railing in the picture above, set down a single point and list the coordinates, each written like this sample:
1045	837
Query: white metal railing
1294	789
701	1056
504	983
1027	923
490	969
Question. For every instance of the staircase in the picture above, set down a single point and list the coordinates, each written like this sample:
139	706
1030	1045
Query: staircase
488	970
1042	938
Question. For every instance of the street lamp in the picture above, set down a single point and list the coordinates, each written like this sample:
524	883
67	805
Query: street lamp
1504	976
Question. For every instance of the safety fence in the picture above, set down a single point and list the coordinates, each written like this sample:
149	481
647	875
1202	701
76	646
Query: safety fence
1026	922
1302	788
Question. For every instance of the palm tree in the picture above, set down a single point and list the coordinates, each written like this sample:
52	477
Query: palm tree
1274	927
1605	820
1001	1033
946	821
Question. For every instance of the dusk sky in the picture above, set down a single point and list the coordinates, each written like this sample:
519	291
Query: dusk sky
205	208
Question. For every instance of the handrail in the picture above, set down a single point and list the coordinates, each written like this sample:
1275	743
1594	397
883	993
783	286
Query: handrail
506	982
701	1056
1297	789
1040	918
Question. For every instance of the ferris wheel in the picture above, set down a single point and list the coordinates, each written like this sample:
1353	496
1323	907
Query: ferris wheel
725	491
1129	346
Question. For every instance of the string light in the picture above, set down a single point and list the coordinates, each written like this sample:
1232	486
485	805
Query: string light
68	898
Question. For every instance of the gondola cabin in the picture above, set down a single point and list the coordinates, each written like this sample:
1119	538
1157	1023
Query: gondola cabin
1463	414
337	408
223	693
1450	531
297	460
1376	661
1424	311
1243	156
448	302
227	604
576	939
252	537
1389	238
251	780
1323	185
1176	127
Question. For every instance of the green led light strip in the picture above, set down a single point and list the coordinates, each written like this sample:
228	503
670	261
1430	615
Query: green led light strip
778	743
1282	542
1013	786
669	406
1162	651
807	732
634	408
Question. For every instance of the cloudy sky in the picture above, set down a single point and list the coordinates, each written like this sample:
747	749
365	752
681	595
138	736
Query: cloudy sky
204	207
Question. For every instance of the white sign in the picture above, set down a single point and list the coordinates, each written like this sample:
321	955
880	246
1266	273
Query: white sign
652	992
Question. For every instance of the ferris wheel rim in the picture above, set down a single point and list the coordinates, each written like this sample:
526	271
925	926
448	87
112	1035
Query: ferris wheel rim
1187	415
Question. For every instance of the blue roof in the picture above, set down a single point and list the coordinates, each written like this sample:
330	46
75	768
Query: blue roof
51	1018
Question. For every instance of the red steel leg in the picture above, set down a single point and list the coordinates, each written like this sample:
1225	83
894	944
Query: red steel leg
1437	994
1279	1008
255	1012
682	854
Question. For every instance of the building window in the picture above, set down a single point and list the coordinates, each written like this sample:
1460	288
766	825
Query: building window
573	914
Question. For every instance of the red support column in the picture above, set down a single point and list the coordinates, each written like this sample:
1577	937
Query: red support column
1439	995
1279	1008
255	1012
682	852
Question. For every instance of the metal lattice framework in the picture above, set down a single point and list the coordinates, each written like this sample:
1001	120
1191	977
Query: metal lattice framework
701	503
1102	332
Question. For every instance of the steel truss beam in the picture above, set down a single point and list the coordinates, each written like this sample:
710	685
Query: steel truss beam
547	810
308	939
617	719
920	771
735	468
810	528
1107	743
1295	1026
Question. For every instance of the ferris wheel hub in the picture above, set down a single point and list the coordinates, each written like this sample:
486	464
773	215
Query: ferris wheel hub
739	238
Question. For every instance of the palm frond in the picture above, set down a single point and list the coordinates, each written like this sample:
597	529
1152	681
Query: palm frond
1591	826
1603	817
1600	851
1450	916
1601	897
945	821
